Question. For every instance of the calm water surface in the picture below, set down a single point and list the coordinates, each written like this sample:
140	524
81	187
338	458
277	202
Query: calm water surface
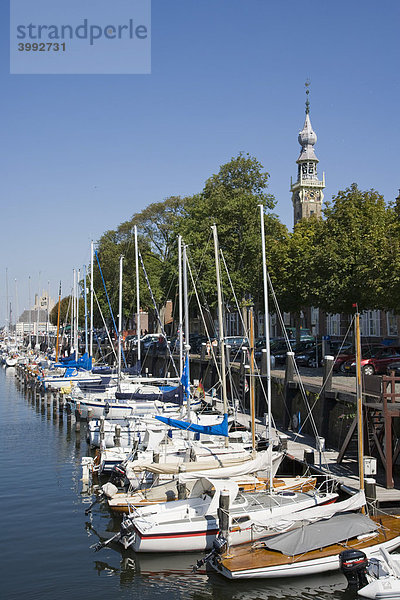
47	541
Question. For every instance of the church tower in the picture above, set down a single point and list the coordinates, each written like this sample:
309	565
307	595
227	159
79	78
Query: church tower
307	191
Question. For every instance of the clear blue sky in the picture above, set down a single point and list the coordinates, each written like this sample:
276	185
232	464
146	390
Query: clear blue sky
80	154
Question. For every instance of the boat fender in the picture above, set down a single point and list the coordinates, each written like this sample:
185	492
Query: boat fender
353	564
106	408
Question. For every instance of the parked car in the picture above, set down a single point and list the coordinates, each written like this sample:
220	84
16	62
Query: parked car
280	351
394	366
309	357
375	360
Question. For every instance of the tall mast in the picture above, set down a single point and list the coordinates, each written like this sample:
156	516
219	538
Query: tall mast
30	312
16	309
72	330
180	296
252	383
38	314
7	318
360	428
137	297
86	315
267	337
78	295
186	309
47	315
58	321
91	297
121	258
221	325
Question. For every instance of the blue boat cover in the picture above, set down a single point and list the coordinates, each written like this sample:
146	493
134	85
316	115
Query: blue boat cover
219	429
83	363
175	396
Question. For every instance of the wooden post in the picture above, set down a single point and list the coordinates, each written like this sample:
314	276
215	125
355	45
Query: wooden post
223	515
370	495
182	490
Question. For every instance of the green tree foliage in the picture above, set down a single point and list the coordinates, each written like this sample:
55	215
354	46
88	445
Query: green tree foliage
155	226
66	311
230	200
359	240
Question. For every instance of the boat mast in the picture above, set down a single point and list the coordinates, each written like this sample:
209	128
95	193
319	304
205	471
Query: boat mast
58	321
47	316
77	312
267	337
30	312
137	299
7	319
220	325
180	296
186	312
38	314
91	297
86	315
252	383
121	258
360	427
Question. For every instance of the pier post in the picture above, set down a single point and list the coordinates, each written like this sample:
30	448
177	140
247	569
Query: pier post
309	456
117	437
370	495
264	365
223	515
182	490
290	389
328	397
102	434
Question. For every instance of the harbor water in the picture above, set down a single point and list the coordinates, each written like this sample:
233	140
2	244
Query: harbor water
47	549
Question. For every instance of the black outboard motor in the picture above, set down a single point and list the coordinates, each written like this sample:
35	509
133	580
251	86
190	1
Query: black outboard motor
353	564
118	475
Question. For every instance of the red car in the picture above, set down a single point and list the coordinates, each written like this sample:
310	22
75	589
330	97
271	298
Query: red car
376	361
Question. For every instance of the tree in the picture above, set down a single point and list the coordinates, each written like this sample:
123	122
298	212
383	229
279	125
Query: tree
66	312
359	239
230	200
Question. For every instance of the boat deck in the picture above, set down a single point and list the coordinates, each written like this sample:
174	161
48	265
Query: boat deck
249	557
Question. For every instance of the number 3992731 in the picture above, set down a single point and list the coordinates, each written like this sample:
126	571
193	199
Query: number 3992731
41	47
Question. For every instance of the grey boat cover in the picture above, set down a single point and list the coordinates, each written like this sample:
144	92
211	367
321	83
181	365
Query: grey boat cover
322	533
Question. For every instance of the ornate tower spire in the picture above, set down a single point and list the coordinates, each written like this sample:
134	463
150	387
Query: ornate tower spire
307	191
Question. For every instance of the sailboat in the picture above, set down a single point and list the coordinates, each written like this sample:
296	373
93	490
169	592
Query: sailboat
314	547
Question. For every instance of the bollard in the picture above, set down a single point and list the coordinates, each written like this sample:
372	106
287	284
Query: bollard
223	515
328	370
309	456
102	434
228	354
182	490
370	495
117	437
264	363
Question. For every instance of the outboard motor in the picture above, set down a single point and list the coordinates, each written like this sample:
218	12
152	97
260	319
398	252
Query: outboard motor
353	564
118	475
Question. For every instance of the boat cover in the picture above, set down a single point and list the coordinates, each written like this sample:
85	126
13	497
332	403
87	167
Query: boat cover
322	533
175	396
260	463
217	429
310	515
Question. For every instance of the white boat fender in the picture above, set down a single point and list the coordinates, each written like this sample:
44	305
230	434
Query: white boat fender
109	489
